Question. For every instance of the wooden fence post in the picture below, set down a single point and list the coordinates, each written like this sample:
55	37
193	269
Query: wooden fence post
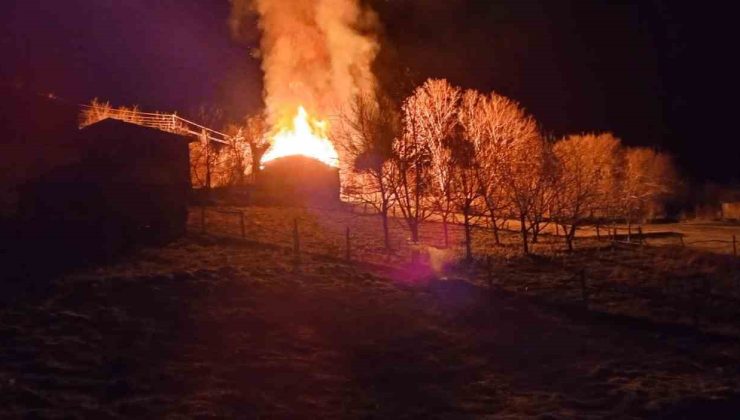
734	245
489	272
203	219
349	252
296	242
639	232
241	224
598	232
584	292
614	239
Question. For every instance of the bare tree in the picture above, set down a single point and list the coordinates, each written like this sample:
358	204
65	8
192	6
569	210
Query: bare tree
235	156
411	168
437	105
255	137
515	156
544	185
368	131
471	160
205	155
648	177
587	171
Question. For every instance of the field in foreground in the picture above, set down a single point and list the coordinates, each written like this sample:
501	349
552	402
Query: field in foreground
216	327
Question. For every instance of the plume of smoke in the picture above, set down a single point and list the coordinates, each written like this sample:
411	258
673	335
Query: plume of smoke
315	53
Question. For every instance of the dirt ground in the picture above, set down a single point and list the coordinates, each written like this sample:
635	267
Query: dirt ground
214	326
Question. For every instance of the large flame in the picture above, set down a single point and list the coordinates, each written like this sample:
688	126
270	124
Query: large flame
305	136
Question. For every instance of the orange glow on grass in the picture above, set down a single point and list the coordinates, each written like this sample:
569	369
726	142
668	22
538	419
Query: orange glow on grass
305	136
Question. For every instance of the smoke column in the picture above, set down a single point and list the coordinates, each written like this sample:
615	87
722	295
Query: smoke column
315	53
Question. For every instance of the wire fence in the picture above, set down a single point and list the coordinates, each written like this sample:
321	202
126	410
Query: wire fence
622	272
166	122
354	222
623	280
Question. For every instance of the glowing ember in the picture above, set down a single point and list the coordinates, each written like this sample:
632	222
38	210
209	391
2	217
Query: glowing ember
305	136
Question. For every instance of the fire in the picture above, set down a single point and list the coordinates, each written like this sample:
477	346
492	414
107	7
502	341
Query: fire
305	136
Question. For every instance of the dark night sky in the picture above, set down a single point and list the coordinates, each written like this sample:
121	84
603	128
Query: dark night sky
650	71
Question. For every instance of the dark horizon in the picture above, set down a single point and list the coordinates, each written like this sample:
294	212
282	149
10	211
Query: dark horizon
643	70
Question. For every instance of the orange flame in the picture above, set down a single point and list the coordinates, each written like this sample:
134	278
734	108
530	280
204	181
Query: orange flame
304	136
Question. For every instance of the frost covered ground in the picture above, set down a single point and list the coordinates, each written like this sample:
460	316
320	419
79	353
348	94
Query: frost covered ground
215	326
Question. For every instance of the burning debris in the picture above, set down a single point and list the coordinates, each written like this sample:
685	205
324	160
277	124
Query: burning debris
297	180
316	55
305	136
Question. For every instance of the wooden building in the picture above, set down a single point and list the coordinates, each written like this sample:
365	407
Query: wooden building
130	184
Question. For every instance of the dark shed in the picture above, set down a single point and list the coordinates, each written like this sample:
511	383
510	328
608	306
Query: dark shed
130	184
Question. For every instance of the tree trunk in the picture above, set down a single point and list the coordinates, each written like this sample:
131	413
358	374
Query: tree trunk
386	235
414	229
569	235
257	153
446	231
468	239
496	239
535	231
523	229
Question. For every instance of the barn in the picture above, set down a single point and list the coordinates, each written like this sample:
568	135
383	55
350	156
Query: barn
130	185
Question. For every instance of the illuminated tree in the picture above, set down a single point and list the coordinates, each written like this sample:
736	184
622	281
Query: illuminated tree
411	174
236	155
368	131
255	137
205	155
436	104
470	160
544	193
588	172
516	159
509	152
648	177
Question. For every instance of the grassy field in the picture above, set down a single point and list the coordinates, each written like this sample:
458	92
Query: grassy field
217	326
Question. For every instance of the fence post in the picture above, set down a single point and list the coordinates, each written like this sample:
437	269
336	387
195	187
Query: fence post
489	272
615	237
296	242
203	219
584	292
639	232
598	232
734	245
349	252
241	224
